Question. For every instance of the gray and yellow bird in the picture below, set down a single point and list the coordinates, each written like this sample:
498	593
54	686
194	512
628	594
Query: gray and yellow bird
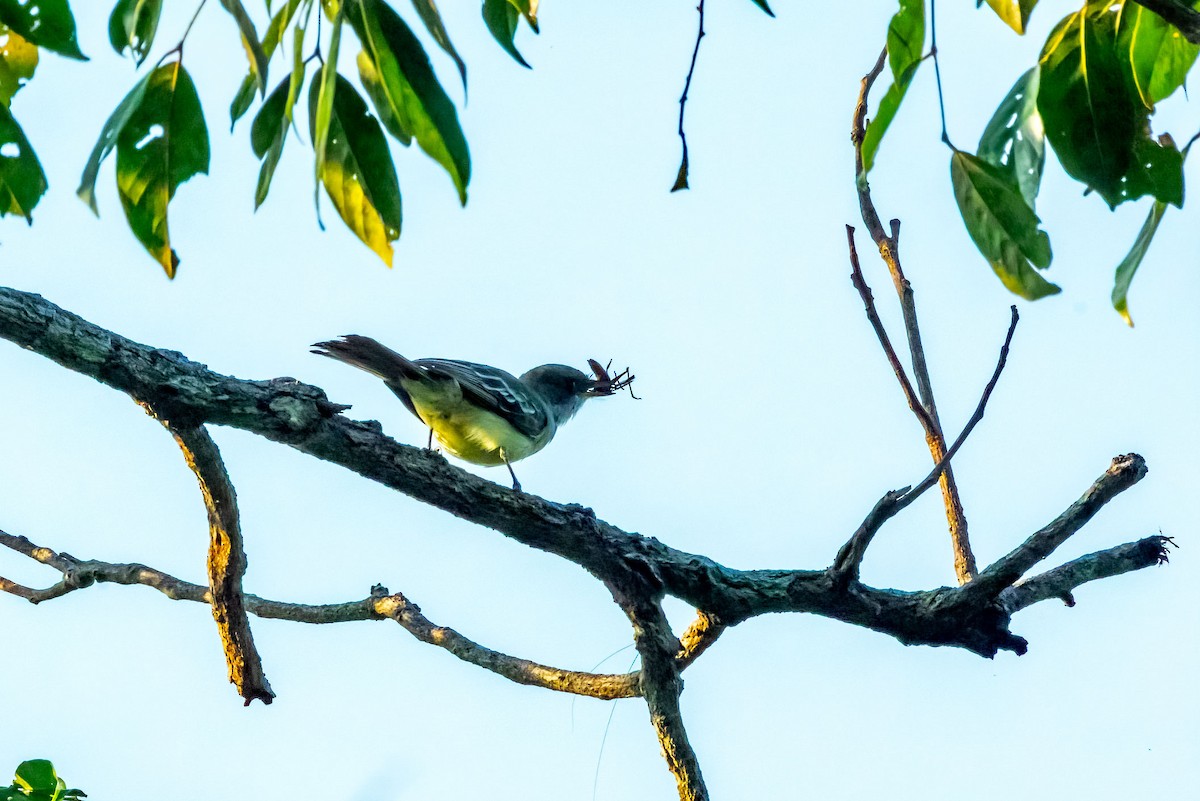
480	414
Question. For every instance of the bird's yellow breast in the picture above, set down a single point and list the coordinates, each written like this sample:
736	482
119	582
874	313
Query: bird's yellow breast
472	434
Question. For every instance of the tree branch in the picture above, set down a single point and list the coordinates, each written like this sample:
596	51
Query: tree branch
661	687
1062	580
300	415
226	559
889	251
1123	473
380	605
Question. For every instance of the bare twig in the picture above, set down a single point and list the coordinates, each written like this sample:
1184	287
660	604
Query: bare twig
380	605
1062	580
864	291
226	559
889	251
681	179
849	559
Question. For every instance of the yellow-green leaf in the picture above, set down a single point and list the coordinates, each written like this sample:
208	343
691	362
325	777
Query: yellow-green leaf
163	143
1002	226
1015	13
18	60
358	173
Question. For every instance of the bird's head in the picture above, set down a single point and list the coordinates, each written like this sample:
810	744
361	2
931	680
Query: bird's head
566	388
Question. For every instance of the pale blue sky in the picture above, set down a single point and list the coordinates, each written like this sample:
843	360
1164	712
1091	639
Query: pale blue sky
770	424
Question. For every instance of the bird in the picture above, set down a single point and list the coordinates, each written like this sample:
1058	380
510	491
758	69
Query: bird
478	413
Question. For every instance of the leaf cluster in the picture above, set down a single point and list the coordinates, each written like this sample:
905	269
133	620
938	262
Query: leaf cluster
1100	75
160	136
36	780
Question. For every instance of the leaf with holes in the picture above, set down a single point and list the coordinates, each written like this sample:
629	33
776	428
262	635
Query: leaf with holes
1015	13
358	173
1002	226
45	23
254	48
501	18
412	90
132	26
22	182
1014	141
905	42
18	60
163	143
1159	55
427	10
1095	118
1129	265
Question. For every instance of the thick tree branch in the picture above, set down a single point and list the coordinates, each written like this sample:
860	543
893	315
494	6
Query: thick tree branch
1062	580
299	415
661	687
226	559
889	251
1178	13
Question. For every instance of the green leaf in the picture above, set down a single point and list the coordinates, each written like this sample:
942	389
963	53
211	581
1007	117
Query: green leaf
1014	140
22	182
501	18
18	60
321	114
107	140
358	173
279	23
1159	55
412	90
132	26
763	5
163	143
905	42
368	73
254	48
1129	265
1002	226
529	9
906	38
37	775
1015	13
268	133
45	23
1095	118
428	12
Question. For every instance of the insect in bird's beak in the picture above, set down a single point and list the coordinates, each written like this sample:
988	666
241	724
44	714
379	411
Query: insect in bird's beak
609	385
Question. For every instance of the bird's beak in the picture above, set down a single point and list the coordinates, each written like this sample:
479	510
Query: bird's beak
606	384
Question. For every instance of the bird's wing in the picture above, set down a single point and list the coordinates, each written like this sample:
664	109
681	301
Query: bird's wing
495	390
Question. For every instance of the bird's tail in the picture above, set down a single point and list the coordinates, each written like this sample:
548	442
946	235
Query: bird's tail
367	354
